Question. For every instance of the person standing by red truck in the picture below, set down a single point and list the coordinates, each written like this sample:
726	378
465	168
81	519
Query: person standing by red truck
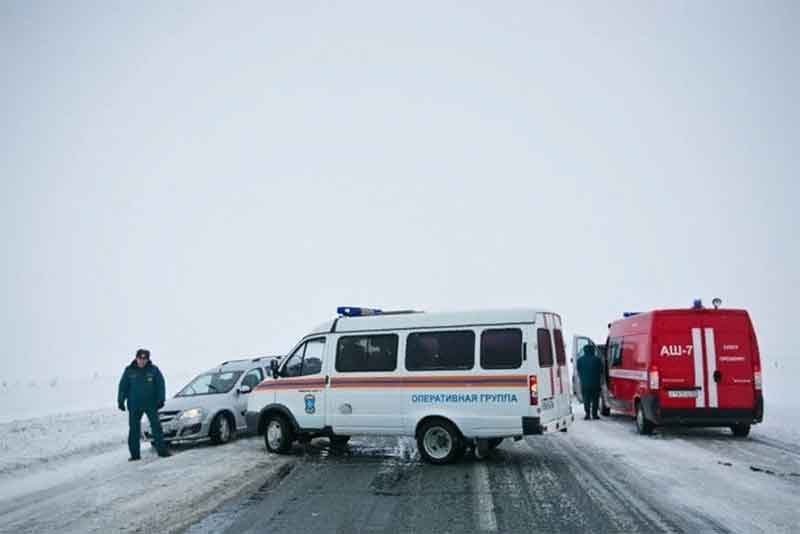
590	370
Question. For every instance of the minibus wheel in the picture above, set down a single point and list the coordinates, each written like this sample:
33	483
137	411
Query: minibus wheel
278	434
439	442
494	443
339	442
643	426
741	430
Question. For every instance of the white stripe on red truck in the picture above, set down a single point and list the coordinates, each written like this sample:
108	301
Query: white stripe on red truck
711	368
697	351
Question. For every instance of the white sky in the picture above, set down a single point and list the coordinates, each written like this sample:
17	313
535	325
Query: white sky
212	181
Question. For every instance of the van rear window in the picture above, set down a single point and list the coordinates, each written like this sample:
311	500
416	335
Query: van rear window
544	342
501	348
431	351
561	356
358	354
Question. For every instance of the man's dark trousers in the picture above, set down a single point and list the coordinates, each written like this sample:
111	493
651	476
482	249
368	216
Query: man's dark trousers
135	429
591	399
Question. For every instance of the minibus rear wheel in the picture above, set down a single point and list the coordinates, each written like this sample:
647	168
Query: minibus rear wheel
643	426
338	442
439	441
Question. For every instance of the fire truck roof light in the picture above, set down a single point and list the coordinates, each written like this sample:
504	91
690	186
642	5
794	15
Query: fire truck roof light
630	314
698	304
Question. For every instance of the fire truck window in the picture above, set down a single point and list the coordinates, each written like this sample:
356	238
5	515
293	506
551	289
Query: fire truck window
501	348
545	345
615	353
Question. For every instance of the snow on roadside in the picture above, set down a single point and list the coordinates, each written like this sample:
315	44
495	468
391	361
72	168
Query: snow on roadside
744	485
103	492
31	444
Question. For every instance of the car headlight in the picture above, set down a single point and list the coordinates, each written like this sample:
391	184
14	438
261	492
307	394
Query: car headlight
194	413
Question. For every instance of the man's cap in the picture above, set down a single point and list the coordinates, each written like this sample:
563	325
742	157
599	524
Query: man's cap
143	352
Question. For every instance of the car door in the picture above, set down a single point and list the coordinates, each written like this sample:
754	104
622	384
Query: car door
302	384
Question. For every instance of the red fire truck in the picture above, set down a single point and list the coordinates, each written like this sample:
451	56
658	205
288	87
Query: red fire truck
696	366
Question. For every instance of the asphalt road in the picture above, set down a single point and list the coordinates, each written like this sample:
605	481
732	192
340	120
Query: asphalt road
539	484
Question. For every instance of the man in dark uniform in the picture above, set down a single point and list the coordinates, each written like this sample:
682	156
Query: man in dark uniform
142	385
590	369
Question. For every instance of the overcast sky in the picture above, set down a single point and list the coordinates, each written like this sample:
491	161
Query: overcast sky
211	181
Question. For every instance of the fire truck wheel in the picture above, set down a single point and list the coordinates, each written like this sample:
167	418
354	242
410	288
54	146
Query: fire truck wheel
643	426
741	430
604	410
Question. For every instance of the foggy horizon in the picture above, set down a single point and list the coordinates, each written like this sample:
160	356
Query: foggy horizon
212	182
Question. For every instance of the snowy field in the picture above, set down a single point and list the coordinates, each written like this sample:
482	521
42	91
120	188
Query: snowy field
63	464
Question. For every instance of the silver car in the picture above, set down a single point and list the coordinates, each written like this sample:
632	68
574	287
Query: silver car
213	404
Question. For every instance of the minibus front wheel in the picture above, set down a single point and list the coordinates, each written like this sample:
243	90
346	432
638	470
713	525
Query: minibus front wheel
278	434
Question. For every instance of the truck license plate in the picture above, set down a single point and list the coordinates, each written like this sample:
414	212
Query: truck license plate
682	393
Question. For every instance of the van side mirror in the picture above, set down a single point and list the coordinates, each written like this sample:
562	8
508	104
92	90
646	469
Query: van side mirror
273	366
245	389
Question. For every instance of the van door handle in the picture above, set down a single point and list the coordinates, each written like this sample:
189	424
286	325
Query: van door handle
327	379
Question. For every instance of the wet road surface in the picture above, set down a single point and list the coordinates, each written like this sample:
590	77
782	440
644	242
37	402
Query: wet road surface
540	484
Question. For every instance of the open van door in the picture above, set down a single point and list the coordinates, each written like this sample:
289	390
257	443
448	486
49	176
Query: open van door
578	343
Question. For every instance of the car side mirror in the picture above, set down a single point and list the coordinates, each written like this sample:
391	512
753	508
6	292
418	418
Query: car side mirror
273	366
245	389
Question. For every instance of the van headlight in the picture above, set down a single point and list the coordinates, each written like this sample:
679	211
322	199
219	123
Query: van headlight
194	413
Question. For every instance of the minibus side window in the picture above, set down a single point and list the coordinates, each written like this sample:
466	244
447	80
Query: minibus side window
358	354
430	351
306	360
545	344
294	365
561	356
501	348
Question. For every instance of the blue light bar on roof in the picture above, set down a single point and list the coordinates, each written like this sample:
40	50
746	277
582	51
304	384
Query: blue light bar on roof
352	311
630	314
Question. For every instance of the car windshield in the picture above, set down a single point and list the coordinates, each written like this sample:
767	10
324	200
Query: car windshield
211	383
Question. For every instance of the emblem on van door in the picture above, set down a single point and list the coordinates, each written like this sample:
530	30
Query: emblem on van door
310	403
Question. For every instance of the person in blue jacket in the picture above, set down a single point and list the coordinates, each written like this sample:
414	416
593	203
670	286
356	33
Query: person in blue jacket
590	370
142	386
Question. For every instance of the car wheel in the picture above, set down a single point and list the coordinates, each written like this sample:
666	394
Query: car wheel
741	430
643	426
278	434
220	431
604	410
439	442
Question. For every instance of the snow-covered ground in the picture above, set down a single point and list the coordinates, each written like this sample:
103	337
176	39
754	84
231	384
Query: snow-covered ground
64	468
63	464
